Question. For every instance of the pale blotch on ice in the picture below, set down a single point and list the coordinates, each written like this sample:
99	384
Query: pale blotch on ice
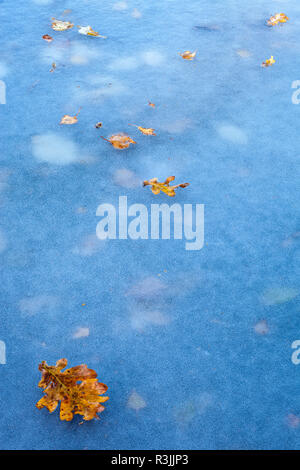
279	295
233	134
120	6
176	127
82	54
56	149
54	53
135	401
291	239
126	178
124	63
261	328
75	52
38	304
203	351
140	319
89	246
136	13
42	2
81	332
243	53
79	59
3	70
81	210
185	412
4	173
292	420
147	288
153	58
3	242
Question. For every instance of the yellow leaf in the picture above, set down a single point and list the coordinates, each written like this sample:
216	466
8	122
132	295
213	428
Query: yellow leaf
269	62
277	18
88	31
77	389
165	187
188	55
59	25
144	130
120	141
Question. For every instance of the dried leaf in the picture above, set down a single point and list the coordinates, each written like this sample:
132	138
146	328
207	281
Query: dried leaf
269	62
151	104
277	18
120	141
53	67
59	25
66	119
88	31
144	130
165	187
188	55
77	389
98	125
48	38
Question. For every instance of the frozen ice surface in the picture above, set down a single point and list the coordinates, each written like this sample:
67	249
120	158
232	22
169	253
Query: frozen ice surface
194	346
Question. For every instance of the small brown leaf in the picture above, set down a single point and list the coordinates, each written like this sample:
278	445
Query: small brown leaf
53	67
165	187
144	130
98	125
188	55
48	38
59	25
120	141
151	104
66	119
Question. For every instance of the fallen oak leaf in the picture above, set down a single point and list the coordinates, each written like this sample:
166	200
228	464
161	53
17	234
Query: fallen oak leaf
144	130
277	18
165	187
119	141
269	62
59	25
88	31
47	38
66	119
188	55
76	398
